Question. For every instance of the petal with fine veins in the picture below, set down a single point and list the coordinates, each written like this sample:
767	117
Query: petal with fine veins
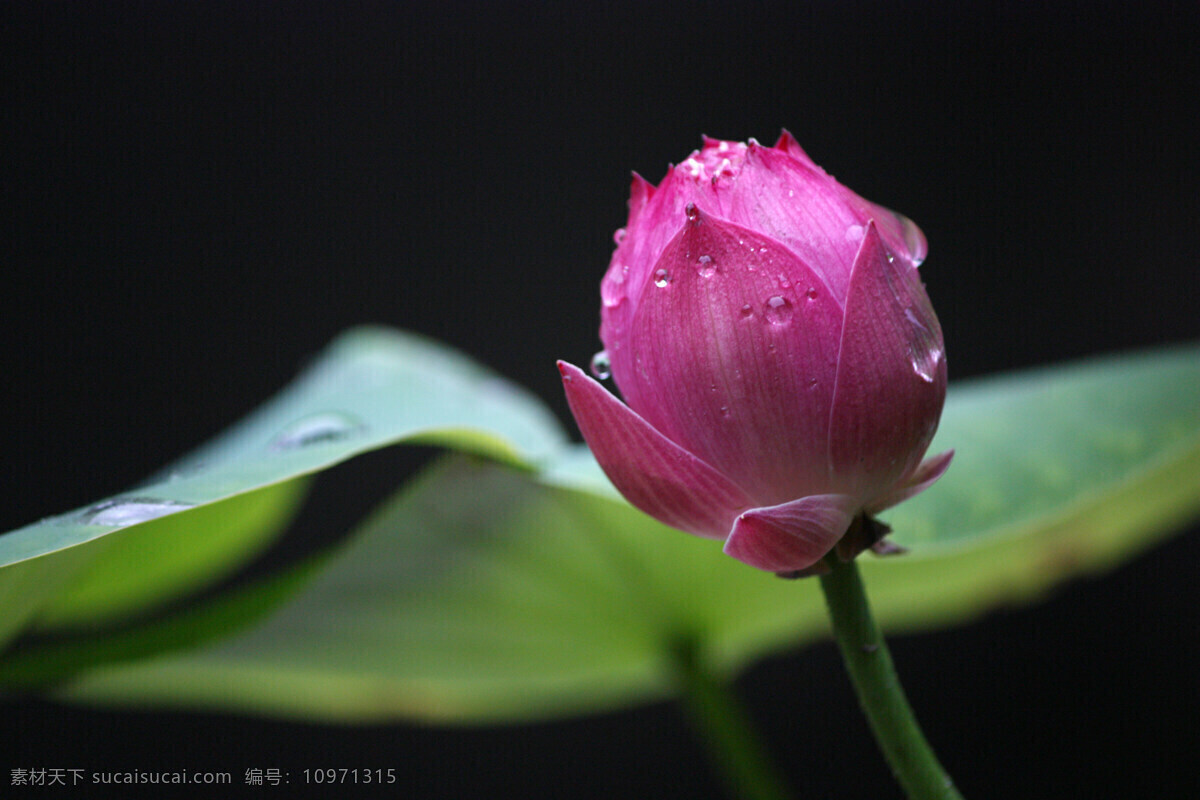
652	472
891	379
791	536
734	357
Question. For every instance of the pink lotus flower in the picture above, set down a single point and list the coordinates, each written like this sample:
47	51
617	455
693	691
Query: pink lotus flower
782	364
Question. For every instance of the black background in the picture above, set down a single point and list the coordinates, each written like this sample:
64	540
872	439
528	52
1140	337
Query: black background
200	197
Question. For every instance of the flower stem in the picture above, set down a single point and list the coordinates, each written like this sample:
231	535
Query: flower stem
725	727
869	663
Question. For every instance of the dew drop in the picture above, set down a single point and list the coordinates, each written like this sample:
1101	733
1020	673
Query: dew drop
747	311
725	412
662	278
705	266
924	347
778	310
322	427
925	362
914	240
811	293
601	366
619	235
693	213
129	510
916	323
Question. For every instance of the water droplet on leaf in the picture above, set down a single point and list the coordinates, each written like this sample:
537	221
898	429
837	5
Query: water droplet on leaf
601	366
130	510
326	426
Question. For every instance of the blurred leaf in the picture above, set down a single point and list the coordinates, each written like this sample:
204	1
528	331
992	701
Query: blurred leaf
484	594
45	662
212	510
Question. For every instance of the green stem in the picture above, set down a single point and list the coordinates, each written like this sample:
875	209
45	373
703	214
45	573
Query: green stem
726	729
869	663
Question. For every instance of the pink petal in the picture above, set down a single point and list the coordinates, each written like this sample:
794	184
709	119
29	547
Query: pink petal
921	479
734	358
791	536
793	201
654	474
900	233
891	379
640	192
788	144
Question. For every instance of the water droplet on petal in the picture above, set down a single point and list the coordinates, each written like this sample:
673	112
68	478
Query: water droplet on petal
778	310
325	426
705	266
129	510
619	235
747	311
601	366
811	293
725	412
912	318
924	347
914	240
661	278
924	362
693	213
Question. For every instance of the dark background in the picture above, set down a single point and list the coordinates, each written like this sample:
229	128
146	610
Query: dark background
200	197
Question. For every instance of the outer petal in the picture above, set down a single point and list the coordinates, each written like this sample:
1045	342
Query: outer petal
621	276
791	536
733	358
922	478
891	379
794	201
900	233
654	474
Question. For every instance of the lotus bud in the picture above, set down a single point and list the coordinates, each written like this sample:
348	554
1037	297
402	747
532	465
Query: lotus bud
782	368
